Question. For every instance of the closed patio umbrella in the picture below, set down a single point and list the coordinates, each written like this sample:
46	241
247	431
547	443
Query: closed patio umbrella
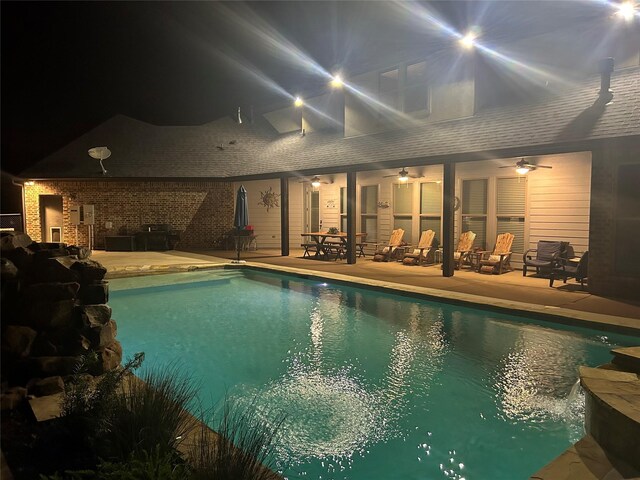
241	219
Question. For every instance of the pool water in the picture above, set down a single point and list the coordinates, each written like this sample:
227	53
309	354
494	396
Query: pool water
373	385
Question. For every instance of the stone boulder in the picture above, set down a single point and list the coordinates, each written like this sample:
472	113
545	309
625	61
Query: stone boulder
8	270
46	386
102	335
53	270
17	341
39	367
109	357
11	398
95	315
50	292
22	258
43	346
12	240
89	271
94	294
79	252
43	315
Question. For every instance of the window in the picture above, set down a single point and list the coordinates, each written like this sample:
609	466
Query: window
510	209
430	208
402	209
474	209
369	212
405	88
416	93
343	209
389	84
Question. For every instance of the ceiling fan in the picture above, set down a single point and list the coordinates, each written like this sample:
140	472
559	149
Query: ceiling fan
315	181
403	175
522	166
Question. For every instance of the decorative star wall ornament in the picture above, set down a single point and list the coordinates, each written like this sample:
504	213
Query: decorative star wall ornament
269	199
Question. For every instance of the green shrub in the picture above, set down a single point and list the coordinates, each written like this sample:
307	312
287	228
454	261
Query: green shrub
240	450
144	466
151	414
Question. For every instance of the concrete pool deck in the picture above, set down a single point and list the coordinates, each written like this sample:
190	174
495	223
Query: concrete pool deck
510	291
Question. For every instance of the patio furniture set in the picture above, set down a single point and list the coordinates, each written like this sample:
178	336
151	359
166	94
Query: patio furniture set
555	259
151	237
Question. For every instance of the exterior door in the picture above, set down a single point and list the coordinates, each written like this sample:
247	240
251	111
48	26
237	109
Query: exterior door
51	218
312	210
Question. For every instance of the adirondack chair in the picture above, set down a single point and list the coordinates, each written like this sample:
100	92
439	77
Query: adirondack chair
498	260
423	252
465	246
385	251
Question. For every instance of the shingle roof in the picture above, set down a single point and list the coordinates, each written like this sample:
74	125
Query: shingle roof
141	150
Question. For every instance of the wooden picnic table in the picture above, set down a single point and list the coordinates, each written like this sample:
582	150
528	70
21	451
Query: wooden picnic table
322	244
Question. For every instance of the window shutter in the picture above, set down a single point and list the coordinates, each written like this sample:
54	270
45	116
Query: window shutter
474	197
511	196
430	198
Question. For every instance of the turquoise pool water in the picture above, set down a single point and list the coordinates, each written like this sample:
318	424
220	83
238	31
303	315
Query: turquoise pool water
375	386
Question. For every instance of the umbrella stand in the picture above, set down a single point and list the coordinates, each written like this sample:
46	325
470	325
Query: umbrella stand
241	219
238	244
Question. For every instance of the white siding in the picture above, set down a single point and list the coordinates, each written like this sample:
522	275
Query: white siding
557	198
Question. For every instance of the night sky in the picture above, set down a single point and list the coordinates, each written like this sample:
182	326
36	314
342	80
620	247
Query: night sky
67	67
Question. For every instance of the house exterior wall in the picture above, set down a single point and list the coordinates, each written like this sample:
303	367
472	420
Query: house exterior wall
450	96
603	277
201	211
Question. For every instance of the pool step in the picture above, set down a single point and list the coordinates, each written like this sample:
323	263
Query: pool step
627	359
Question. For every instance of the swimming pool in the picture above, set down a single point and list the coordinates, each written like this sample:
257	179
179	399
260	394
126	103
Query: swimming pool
374	385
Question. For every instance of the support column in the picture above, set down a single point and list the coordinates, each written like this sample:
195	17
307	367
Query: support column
284	216
351	217
448	199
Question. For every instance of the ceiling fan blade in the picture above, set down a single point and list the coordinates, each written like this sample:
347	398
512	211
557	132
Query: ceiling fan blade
542	166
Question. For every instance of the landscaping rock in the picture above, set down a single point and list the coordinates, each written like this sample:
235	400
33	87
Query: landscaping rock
79	252
95	315
12	240
43	346
8	269
102	336
11	398
94	294
50	366
50	292
90	271
56	270
21	257
17	341
109	357
46	315
45	386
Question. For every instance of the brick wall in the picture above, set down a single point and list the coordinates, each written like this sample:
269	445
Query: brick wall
603	278
202	211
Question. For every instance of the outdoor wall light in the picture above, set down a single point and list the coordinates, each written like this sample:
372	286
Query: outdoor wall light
336	81
626	10
298	102
30	183
469	40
